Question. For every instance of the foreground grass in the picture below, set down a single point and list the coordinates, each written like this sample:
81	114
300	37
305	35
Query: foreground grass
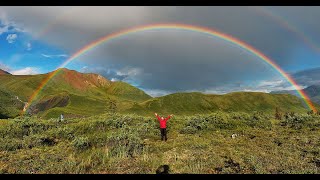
131	144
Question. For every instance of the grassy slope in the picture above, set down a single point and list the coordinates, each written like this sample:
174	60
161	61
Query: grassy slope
9	105
79	105
22	86
84	89
122	89
131	144
191	103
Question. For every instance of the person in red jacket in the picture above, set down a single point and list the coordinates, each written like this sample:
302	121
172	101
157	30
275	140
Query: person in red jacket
163	126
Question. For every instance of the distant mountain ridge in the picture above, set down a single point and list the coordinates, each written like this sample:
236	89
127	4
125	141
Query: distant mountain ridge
309	78
312	91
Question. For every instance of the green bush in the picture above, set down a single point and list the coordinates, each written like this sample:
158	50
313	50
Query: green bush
37	140
263	123
297	121
81	143
19	128
102	123
240	116
210	122
125	143
64	132
226	121
188	130
10	144
259	116
148	128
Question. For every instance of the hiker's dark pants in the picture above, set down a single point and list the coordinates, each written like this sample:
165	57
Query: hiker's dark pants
163	134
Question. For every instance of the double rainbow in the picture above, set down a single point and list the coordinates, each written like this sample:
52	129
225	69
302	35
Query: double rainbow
288	26
204	30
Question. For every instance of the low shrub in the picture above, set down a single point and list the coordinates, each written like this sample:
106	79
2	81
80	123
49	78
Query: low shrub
125	143
10	144
81	143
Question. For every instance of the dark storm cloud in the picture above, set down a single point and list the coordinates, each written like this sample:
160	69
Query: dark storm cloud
74	27
308	77
179	60
171	60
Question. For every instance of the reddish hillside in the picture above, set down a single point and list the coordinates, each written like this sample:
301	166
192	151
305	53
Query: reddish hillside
81	81
2	72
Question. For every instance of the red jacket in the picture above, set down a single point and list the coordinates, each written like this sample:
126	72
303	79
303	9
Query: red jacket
163	123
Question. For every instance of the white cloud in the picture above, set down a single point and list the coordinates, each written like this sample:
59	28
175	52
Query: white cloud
29	46
276	85
114	79
11	38
265	86
131	75
84	69
54	55
156	92
4	24
7	26
4	67
22	71
25	71
3	29
129	71
44	55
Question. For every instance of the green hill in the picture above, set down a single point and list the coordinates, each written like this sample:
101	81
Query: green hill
122	89
71	92
77	94
191	103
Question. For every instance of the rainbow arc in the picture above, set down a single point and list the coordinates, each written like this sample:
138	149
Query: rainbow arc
199	29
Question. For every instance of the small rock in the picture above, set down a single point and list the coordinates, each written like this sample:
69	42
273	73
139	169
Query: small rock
163	169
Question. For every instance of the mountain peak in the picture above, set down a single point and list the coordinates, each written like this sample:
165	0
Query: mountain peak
81	81
64	70
2	72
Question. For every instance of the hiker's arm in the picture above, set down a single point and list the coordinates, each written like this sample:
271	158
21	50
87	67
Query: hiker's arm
169	117
157	116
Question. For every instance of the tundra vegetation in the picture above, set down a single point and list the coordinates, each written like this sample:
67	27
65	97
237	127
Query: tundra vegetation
220	142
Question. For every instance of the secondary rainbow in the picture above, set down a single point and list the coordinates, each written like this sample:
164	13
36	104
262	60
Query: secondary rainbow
283	22
60	18
187	27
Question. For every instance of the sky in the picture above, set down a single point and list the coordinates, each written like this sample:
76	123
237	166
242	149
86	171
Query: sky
36	40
